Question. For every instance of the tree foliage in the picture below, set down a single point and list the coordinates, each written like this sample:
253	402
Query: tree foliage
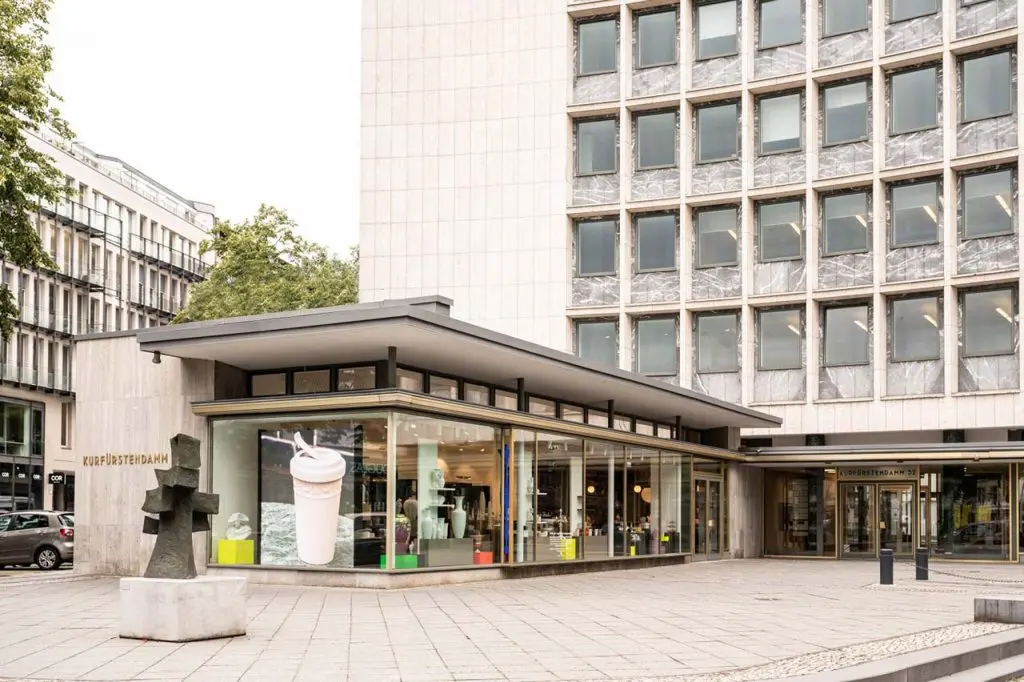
262	266
27	105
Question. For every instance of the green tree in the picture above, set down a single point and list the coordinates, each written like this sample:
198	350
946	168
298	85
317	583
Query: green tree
27	105
262	266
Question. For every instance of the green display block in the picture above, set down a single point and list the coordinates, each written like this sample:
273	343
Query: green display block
401	561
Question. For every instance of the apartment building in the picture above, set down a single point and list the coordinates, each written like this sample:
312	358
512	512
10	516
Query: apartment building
126	251
809	207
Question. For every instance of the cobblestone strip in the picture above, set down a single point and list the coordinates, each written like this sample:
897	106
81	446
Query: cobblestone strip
835	659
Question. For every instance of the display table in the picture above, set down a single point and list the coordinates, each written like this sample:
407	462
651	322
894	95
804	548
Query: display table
448	552
236	552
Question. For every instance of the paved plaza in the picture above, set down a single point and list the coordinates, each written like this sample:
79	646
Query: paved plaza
683	622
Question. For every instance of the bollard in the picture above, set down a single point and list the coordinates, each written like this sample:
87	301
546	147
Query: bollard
921	562
885	567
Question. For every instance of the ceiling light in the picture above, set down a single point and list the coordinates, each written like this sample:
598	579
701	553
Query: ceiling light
1006	207
793	329
931	214
861	220
931	320
637	489
590	490
1004	314
861	325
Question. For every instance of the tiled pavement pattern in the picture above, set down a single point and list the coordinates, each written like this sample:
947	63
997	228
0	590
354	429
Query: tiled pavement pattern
675	621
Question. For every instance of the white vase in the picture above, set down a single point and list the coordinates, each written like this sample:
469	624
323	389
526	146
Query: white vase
458	518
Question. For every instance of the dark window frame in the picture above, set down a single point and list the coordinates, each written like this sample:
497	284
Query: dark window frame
823	33
890	187
577	272
637	321
801	109
636	217
758	312
576	146
889	11
636	139
890	306
739	130
823	224
867	111
965	330
933	66
799	200
674	9
824	332
696	29
697	213
961	83
736	366
760	26
961	187
577	322
579	53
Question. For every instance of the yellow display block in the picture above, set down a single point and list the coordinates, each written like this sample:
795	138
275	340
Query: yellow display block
236	552
568	551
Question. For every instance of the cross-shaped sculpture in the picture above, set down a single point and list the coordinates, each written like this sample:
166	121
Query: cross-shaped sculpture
181	511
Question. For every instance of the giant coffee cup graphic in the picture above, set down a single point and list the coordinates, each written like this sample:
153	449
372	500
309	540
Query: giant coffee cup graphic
317	475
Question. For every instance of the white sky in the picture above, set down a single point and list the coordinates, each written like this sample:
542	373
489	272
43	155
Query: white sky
233	102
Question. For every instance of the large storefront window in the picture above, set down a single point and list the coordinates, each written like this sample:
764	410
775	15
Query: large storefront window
21	457
800	509
965	510
301	491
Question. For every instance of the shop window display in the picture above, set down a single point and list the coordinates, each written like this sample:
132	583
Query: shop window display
800	509
965	510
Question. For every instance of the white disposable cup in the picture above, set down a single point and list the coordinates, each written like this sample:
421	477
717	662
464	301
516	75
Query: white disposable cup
317	484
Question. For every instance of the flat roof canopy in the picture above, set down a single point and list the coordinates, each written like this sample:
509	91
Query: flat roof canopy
428	338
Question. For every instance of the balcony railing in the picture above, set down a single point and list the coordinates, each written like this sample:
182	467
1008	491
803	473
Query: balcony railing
161	252
157	300
85	217
61	382
35	377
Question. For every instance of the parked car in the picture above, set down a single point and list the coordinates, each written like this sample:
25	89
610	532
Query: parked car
44	538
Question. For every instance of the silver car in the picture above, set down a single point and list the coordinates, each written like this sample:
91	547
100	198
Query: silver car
44	538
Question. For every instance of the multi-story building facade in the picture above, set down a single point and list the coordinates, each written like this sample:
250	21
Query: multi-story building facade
126	251
806	206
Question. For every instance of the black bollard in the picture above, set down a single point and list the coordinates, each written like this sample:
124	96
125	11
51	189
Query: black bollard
921	562
885	567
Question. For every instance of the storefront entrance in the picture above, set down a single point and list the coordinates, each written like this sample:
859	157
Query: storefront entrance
707	518
876	516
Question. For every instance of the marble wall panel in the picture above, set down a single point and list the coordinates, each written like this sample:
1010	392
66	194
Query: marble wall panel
985	17
785	385
853	381
846	159
655	287
657	183
780	61
711	178
989	373
912	149
602	87
657	80
914	263
845	270
780	169
714	73
595	291
779	277
913	34
726	386
991	254
989	135
591	190
711	283
914	378
844	49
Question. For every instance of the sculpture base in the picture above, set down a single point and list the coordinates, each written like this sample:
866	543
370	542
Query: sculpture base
182	610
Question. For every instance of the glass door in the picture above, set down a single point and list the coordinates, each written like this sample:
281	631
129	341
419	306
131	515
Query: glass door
895	518
700	517
714	514
707	515
859	527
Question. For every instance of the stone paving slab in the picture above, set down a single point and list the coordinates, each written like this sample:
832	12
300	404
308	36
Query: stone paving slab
684	622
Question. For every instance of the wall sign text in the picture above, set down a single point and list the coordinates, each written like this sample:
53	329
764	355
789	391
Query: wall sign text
126	459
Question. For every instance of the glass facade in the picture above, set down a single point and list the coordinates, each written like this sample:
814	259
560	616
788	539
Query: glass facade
21	456
799	512
965	510
314	491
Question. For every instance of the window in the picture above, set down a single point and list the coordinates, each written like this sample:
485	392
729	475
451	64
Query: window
844	16
987	203
989	322
845	223
656	42
443	387
914	214
846	112
915	103
914	329
656	242
987	89
780	230
782	23
781	124
598	341
847	338
717	238
595	247
66	425
598	47
717	342
357	379
780	339
596	147
901	10
268	384
657	352
717	24
656	140
476	394
718	132
312	381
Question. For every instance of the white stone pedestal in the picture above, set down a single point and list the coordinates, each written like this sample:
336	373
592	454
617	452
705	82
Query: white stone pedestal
182	610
